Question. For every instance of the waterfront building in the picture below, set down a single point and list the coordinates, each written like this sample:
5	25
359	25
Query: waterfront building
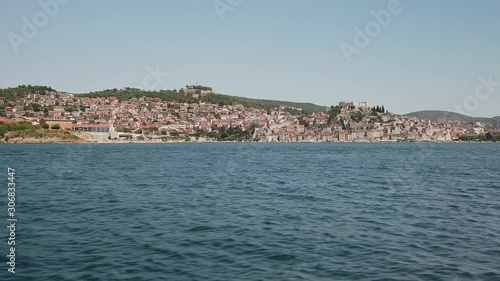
98	131
63	123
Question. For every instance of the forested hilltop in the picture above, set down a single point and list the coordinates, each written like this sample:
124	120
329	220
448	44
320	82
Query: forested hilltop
13	94
167	95
214	98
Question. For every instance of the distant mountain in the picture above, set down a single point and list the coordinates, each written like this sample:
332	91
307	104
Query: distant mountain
438	115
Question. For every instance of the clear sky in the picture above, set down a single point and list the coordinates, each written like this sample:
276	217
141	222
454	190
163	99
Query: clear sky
429	56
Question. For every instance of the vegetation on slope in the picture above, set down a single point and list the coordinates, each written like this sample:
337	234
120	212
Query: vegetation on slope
15	127
12	94
21	131
306	107
487	137
40	135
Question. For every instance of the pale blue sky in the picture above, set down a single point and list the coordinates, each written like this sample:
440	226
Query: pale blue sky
428	57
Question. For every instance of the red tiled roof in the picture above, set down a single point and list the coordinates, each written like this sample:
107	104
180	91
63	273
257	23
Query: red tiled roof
5	120
58	120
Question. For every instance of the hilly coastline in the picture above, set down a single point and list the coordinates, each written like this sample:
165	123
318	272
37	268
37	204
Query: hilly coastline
22	91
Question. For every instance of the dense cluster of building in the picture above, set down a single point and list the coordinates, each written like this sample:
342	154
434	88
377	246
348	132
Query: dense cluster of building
111	118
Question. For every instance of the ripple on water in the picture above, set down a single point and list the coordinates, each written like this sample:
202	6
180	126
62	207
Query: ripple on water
258	212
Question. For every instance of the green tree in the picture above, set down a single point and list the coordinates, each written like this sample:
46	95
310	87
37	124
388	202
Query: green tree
14	127
490	137
56	127
199	133
481	138
357	116
304	122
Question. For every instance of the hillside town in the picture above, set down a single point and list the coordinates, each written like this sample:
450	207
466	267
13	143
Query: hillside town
149	118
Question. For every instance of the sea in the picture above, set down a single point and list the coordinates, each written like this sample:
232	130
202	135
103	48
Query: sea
252	211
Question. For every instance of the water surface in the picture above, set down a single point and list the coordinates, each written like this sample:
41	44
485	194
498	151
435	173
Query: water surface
253	211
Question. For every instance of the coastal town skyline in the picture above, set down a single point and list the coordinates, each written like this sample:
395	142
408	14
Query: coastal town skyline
198	113
393	110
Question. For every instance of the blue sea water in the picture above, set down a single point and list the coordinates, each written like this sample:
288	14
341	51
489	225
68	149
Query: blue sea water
253	211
